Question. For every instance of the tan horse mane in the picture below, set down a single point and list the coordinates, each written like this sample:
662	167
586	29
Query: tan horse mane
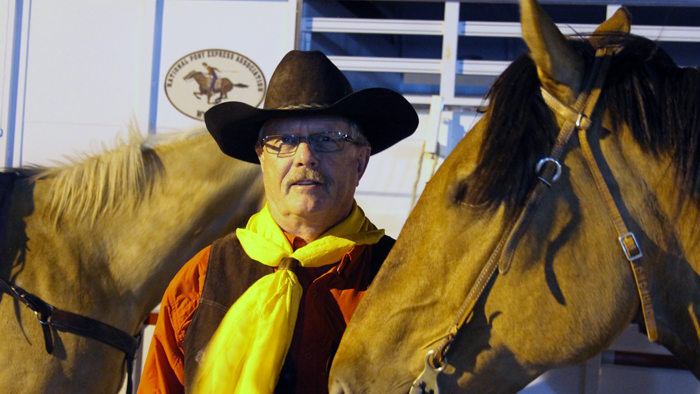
90	186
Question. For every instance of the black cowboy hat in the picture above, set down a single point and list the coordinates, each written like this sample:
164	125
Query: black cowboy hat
309	84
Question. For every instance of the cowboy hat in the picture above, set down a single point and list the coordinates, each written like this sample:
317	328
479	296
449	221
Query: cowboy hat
309	84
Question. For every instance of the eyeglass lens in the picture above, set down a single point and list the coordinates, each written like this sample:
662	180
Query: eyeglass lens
320	142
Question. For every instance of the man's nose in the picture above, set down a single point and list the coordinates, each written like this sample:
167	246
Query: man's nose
305	155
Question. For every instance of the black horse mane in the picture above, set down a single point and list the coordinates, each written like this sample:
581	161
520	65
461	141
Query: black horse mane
644	89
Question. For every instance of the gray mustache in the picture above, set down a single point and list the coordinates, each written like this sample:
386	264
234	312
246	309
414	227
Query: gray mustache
307	174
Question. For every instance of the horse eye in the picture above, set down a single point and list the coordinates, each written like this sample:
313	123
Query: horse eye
461	193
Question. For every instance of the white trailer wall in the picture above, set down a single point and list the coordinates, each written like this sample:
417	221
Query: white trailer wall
77	72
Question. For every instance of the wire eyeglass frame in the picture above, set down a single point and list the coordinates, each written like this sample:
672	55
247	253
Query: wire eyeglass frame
314	140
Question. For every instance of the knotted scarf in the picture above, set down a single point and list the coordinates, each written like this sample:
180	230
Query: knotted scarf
247	351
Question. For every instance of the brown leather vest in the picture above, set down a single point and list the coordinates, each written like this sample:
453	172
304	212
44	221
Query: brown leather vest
229	274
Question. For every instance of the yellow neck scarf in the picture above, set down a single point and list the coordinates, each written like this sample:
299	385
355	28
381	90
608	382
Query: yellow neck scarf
247	351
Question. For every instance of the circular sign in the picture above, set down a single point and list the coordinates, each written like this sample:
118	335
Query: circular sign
202	79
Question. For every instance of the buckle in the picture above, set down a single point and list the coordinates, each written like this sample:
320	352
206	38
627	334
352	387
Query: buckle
44	316
630	246
541	164
582	122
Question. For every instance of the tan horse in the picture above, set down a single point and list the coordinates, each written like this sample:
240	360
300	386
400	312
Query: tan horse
569	291
102	237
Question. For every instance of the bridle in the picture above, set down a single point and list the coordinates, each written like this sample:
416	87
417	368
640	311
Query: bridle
577	118
51	318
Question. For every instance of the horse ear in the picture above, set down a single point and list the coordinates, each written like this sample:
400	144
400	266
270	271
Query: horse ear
559	67
619	23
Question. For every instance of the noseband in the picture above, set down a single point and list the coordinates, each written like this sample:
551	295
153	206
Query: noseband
577	117
52	318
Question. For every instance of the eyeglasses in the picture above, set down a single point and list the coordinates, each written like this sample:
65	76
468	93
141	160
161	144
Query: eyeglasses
286	145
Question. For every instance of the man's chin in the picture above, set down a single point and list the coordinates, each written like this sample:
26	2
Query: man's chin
311	208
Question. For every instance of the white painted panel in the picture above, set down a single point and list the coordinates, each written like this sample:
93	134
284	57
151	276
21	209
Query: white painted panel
557	381
617	379
18	64
88	74
6	30
386	190
258	30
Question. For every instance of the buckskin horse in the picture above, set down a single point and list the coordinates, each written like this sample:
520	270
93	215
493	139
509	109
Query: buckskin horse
101	238
512	262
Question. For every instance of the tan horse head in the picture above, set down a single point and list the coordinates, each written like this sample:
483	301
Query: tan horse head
569	291
102	237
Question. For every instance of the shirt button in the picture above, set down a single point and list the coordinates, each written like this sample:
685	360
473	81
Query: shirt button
309	356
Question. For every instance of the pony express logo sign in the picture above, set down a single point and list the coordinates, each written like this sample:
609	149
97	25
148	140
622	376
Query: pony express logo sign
200	80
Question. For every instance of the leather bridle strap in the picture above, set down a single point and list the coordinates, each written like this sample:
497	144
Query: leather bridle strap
549	170
576	118
52	317
627	240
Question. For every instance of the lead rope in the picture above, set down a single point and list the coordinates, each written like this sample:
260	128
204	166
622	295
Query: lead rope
576	117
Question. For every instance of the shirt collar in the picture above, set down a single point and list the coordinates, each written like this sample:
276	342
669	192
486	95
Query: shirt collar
350	257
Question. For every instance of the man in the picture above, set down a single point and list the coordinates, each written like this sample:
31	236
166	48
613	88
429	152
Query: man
264	309
212	73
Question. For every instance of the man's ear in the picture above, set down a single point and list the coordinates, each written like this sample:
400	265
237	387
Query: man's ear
362	160
259	151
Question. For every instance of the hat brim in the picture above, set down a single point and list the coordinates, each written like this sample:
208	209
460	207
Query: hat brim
384	116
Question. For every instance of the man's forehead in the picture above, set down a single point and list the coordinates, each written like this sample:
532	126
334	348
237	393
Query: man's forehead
296	125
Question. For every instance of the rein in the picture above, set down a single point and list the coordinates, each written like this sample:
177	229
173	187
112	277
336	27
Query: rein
51	317
577	117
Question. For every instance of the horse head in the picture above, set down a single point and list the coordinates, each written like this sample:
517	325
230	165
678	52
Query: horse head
191	74
102	237
503	275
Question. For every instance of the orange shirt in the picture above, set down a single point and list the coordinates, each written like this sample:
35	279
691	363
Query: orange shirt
330	297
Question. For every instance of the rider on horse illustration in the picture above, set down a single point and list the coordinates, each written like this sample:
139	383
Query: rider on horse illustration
212	73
